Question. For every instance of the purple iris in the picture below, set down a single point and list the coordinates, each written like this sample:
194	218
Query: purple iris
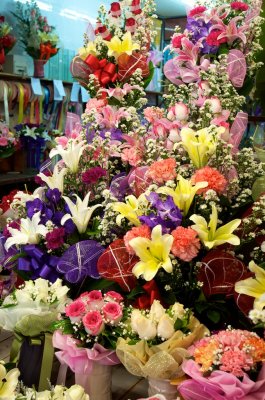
36	206
54	195
69	226
116	134
199	28
167	213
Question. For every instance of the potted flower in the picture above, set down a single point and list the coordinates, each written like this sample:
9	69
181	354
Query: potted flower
37	36
7	40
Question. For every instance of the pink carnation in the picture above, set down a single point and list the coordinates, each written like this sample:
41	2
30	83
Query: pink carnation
139	231
163	170
132	156
197	11
212	38
95	104
176	41
216	181
153	113
186	244
236	362
75	311
239	5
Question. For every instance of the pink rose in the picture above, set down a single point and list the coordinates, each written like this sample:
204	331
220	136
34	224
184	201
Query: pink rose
111	295
3	141
93	323
215	105
94	299
180	112
112	312
75	311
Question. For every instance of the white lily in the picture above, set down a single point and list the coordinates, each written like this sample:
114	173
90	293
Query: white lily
56	180
30	132
30	232
71	154
80	212
22	197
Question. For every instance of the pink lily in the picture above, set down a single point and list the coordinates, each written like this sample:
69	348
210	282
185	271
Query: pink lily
119	93
218	13
189	52
231	32
111	116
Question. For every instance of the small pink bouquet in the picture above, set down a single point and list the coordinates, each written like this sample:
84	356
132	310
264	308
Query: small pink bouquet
226	366
8	141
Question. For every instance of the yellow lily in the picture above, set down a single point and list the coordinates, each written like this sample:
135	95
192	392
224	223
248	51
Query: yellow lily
90	48
254	287
154	254
118	46
200	145
131	209
184	193
212	237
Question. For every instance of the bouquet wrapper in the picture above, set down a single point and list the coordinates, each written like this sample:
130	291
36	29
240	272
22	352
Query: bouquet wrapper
162	361
162	387
32	350
220	385
92	367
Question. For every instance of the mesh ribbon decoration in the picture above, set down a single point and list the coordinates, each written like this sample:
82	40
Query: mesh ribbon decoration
129	64
80	70
80	261
236	67
161	361
171	71
219	273
139	180
116	265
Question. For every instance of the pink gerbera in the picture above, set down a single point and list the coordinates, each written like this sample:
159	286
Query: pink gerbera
216	181
139	231
186	243
163	170
239	5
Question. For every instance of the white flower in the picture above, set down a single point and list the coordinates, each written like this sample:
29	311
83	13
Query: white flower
56	180
22	197
70	155
178	310
144	327
263	247
156	311
30	232
30	132
8	382
165	328
76	392
80	212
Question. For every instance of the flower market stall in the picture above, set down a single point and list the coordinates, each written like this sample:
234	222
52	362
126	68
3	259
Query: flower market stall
143	244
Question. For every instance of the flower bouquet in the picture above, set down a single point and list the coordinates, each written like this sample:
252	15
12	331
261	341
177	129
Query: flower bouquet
226	365
7	40
87	337
34	139
37	36
117	47
11	389
29	312
156	344
8	141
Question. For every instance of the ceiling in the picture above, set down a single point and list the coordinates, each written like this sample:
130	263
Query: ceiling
173	8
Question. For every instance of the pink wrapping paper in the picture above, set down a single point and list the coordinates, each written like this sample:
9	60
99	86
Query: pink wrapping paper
80	359
237	129
236	67
220	385
73	122
171	72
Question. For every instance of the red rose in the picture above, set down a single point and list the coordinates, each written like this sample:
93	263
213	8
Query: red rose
135	7
115	9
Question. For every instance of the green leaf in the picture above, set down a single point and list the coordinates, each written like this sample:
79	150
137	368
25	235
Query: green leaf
178	324
214	316
100	284
150	76
137	290
223	49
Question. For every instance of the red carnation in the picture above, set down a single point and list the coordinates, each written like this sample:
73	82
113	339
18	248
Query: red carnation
176	41
2	18
197	11
130	25
115	9
239	5
55	238
92	175
136	7
212	38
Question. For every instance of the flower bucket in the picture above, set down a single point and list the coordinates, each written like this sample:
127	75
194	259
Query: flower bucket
39	68
34	149
97	383
163	387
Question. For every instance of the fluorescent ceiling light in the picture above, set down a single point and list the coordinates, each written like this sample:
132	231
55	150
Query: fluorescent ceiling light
71	14
40	4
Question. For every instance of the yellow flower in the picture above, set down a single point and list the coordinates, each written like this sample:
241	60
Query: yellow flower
131	209
212	237
184	193
200	145
254	287
154	254
90	48
8	382
118	46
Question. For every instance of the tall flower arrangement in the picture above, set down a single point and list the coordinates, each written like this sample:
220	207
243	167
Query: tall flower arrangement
7	40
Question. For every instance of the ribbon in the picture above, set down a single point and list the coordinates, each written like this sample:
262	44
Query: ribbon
146	300
20	103
104	71
47	357
40	264
46	51
2	56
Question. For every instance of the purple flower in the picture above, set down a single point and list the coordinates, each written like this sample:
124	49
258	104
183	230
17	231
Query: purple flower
54	195
69	226
153	220
199	28
119	186
92	175
166	209
34	206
